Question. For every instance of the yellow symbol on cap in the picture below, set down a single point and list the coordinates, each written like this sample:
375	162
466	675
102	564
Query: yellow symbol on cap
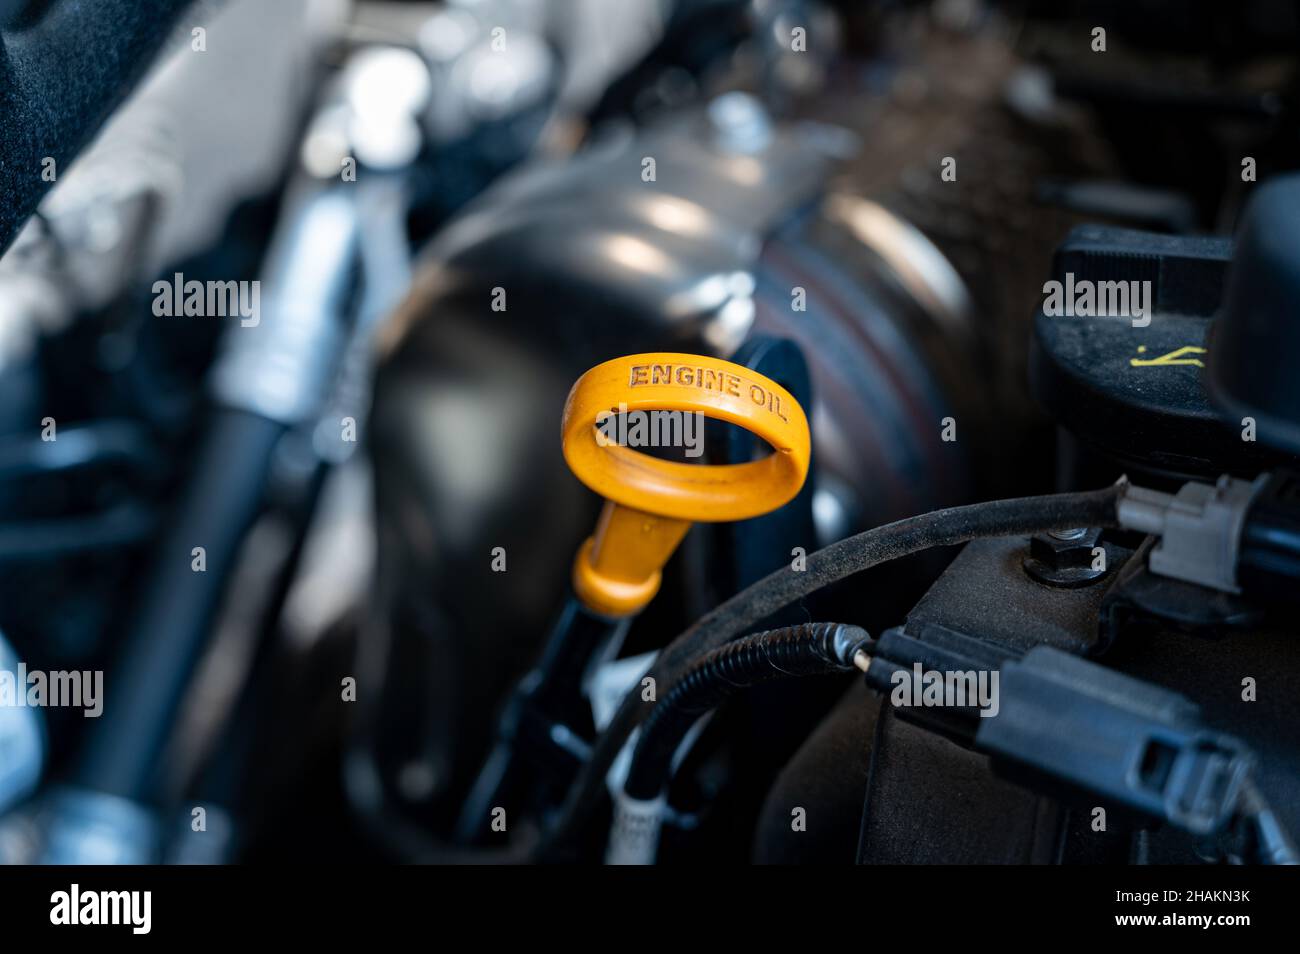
1175	357
650	503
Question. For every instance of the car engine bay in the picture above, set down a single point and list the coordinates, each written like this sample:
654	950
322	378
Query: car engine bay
925	487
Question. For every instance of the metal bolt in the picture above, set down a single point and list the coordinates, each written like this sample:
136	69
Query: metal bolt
1064	557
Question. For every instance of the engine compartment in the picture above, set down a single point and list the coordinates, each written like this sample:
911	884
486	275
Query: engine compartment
975	318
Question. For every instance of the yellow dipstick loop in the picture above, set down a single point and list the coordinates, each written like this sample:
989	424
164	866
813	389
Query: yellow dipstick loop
650	503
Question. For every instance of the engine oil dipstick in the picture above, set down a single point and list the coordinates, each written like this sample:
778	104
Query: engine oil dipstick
650	502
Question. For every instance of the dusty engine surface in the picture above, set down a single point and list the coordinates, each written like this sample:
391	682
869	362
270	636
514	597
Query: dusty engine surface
692	432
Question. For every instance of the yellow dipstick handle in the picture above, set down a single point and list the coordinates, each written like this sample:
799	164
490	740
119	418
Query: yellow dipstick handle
650	503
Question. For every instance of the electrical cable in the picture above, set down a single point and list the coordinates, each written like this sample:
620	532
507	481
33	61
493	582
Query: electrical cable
1020	516
808	649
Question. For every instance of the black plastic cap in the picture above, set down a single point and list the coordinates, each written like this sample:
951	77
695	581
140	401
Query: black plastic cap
1254	359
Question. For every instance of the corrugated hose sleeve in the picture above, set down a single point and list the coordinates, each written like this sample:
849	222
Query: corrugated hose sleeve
808	649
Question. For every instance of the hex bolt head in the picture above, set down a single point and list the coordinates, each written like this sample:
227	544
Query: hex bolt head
1064	557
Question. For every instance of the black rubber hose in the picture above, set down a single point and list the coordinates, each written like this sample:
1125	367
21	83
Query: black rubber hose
171	628
809	649
1019	516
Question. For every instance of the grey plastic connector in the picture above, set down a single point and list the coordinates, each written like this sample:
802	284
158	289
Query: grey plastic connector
1199	528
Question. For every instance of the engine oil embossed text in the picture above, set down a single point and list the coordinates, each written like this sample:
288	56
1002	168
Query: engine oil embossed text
707	379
